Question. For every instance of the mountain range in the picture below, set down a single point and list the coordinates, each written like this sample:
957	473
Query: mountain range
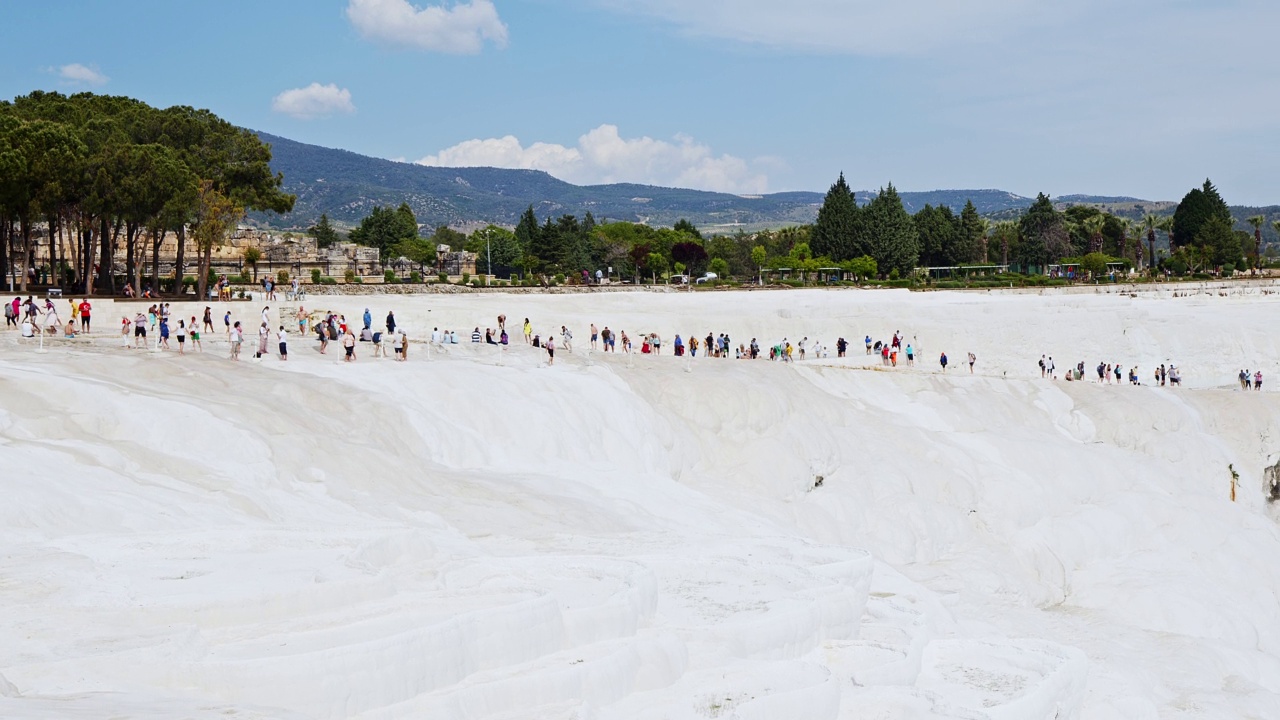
346	186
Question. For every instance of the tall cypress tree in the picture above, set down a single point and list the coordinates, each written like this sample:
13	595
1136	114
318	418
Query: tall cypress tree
835	233
546	246
970	233
527	230
890	233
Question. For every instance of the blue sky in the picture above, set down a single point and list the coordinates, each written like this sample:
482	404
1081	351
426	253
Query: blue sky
1141	97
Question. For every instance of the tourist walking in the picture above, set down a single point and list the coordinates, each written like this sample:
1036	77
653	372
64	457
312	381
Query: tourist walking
195	335
349	345
594	334
943	361
972	359
237	338
550	346
182	337
283	338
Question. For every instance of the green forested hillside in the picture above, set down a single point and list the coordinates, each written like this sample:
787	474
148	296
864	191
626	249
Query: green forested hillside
346	186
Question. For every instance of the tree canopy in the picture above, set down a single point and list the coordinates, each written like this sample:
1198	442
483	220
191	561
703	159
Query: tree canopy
383	227
104	165
1198	208
835	233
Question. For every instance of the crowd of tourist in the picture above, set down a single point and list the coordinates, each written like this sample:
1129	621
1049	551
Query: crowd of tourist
32	317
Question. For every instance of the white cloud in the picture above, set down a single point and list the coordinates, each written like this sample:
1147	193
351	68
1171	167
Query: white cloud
604	156
314	101
460	29
77	74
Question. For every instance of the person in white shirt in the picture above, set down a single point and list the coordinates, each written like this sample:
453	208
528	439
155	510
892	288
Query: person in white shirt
566	338
282	337
182	337
397	344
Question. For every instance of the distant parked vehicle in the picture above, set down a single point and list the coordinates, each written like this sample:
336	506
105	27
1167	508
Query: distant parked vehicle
679	280
706	277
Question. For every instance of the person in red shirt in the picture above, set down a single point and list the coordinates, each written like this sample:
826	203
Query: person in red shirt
85	308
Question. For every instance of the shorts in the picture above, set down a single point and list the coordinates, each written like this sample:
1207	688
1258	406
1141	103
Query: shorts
350	351
283	349
182	339
593	338
551	353
195	336
139	331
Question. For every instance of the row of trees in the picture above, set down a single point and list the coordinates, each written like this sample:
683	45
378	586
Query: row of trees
102	171
878	238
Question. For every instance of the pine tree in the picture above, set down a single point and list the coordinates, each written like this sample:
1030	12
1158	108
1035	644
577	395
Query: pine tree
971	232
545	248
688	228
939	236
323	232
890	233
835	233
1197	208
1044	236
408	223
527	230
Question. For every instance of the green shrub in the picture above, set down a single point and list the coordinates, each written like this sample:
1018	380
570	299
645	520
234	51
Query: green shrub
443	277
475	282
282	277
349	275
415	277
389	276
559	278
315	275
328	281
466	278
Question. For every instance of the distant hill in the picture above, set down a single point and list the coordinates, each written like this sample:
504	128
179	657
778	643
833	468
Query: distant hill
347	186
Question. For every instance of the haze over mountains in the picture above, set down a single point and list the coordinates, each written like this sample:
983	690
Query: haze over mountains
346	186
